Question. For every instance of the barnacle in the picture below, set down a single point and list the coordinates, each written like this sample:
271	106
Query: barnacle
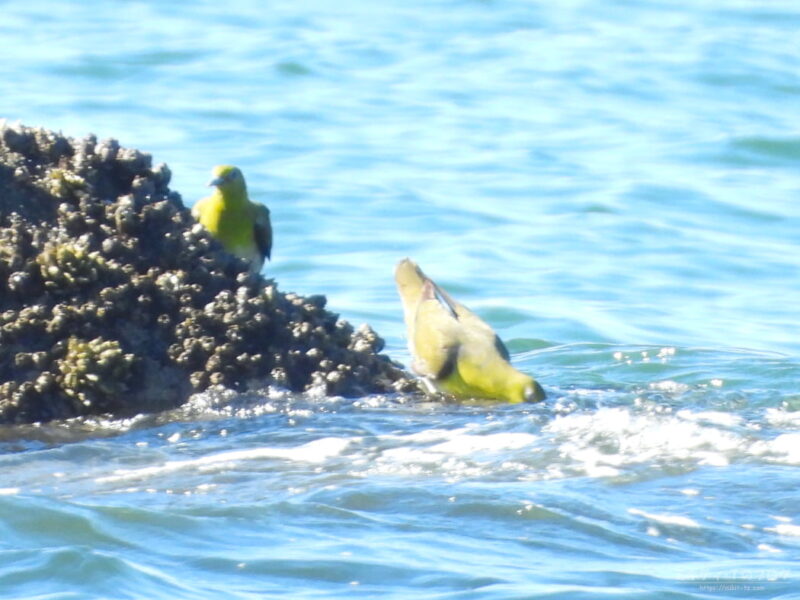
65	266
94	372
61	183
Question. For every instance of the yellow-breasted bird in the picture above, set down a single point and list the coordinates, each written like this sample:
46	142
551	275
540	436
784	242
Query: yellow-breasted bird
454	350
242	227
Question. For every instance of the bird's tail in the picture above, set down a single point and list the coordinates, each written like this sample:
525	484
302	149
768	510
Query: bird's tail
410	285
414	286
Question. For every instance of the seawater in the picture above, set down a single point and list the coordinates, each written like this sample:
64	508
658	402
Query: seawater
613	185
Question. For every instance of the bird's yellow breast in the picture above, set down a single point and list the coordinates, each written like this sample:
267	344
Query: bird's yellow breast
482	374
231	225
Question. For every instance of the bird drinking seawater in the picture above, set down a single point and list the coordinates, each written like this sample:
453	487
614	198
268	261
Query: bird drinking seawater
241	226
454	350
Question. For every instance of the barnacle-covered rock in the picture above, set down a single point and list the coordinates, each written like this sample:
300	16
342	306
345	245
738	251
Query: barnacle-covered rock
69	265
94	373
114	300
61	183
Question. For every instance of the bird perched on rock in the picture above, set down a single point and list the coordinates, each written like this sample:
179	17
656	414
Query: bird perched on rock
241	226
454	350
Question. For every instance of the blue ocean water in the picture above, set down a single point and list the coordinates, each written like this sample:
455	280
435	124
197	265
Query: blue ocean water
612	185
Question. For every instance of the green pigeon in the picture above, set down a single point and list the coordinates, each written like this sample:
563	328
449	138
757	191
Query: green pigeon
242	227
453	349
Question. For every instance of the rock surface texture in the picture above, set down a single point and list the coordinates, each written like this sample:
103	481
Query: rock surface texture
114	301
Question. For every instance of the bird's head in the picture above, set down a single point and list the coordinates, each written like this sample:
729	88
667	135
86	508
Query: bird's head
526	389
534	392
227	178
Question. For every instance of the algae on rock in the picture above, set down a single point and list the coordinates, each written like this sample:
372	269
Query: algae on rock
113	300
95	373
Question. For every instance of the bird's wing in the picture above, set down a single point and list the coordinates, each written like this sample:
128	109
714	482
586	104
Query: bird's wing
262	230
501	348
471	321
436	337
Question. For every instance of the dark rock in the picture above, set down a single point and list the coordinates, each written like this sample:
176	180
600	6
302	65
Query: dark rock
114	301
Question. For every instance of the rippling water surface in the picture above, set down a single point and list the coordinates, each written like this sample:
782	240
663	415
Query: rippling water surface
613	185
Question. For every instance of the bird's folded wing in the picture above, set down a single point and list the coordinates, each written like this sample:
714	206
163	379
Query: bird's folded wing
470	321
262	230
436	339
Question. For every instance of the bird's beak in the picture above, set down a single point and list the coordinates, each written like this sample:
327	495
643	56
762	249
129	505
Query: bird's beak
215	182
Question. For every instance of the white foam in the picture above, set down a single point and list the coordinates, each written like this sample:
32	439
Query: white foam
670	387
782	418
616	437
600	443
457	453
723	419
429	435
785	529
314	452
785	449
497	442
665	519
782	518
